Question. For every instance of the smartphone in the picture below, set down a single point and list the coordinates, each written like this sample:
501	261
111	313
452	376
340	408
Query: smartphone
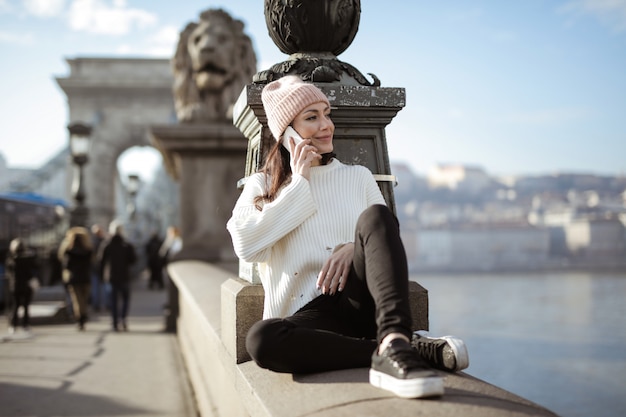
290	132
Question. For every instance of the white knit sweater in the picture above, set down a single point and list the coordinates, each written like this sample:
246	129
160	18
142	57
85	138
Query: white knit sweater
291	237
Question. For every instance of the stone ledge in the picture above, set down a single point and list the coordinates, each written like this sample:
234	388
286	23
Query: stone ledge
224	387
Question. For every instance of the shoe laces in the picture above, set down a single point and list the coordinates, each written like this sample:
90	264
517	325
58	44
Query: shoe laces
428	349
406	359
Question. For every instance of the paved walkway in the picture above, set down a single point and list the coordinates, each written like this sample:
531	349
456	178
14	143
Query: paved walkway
58	371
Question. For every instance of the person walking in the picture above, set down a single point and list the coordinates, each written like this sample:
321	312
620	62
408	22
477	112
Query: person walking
20	269
155	263
98	287
116	258
330	258
76	256
172	244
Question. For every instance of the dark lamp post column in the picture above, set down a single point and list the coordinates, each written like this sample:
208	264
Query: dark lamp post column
79	146
132	187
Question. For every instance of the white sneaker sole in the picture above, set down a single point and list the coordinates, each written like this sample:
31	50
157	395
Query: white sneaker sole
408	388
458	348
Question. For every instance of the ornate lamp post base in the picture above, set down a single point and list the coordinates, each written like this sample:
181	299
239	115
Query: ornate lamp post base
318	68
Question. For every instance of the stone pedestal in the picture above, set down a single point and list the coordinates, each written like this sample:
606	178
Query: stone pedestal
207	160
241	307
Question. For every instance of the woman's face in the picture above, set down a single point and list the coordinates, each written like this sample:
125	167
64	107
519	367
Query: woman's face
314	123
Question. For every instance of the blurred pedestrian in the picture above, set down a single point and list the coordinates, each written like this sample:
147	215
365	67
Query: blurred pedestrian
155	263
69	305
98	289
56	269
20	269
171	246
115	261
76	255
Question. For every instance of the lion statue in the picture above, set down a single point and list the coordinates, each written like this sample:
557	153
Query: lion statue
214	60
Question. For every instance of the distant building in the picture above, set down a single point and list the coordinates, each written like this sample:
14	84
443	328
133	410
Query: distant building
459	219
458	177
51	180
8	175
596	239
481	248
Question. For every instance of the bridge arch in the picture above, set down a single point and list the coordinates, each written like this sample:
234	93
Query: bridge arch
120	98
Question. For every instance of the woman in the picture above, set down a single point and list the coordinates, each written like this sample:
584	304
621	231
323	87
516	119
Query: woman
20	268
76	255
330	257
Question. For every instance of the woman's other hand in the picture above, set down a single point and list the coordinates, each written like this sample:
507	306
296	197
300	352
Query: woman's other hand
334	273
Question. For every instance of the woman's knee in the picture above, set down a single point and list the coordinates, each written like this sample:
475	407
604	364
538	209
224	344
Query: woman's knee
377	215
263	342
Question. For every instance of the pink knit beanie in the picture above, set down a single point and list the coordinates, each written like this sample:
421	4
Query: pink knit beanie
285	98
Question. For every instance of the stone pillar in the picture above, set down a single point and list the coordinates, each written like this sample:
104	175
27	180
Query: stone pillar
204	152
207	160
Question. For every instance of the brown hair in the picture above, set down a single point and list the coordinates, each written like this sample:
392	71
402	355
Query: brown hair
277	170
78	237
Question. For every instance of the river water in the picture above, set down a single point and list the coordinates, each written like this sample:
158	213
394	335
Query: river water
558	339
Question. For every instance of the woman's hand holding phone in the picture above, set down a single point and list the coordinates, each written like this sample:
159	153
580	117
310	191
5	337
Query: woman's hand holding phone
302	153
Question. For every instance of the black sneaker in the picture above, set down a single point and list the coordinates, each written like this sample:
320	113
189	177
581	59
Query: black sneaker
399	370
447	353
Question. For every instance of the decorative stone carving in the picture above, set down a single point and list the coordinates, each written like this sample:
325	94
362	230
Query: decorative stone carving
290	22
314	33
204	152
214	59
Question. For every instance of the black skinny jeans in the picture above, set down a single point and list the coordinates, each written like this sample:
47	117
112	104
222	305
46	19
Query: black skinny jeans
343	330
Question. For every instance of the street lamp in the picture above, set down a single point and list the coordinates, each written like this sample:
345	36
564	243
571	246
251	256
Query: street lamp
79	147
132	187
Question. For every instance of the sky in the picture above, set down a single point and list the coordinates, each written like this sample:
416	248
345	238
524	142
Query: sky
525	87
